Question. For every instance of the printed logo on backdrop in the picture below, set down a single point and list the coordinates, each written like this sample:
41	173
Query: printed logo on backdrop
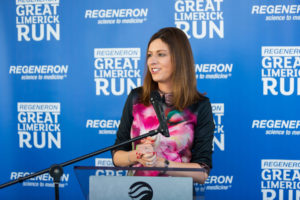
118	16
116	70
280	70
103	162
38	125
39	72
280	179
219	182
104	126
214	71
215	182
219	134
277	127
200	19
277	12
37	20
107	162
44	180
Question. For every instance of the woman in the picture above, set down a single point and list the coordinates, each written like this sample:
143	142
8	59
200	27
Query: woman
170	71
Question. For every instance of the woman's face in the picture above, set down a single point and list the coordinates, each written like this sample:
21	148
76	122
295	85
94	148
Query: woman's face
159	62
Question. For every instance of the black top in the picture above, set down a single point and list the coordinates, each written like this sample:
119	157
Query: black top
191	131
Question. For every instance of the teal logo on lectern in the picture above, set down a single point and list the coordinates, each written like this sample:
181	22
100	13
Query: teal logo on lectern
140	191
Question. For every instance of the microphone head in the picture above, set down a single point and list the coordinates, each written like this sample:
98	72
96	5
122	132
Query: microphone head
156	101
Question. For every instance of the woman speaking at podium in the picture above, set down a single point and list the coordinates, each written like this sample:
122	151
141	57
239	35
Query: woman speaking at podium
171	72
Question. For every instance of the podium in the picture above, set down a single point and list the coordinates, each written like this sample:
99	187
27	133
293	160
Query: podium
127	183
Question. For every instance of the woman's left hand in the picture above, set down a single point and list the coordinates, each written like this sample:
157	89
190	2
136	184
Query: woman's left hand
149	159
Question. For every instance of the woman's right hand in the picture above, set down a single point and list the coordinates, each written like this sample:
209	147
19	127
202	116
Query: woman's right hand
145	152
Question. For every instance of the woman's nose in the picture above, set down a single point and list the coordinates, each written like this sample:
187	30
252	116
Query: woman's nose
153	60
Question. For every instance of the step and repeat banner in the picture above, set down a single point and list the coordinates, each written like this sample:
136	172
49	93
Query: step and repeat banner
66	68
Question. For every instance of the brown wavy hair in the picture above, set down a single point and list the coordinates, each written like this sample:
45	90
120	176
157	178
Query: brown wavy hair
183	78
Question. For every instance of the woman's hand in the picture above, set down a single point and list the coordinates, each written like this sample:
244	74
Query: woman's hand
146	154
148	159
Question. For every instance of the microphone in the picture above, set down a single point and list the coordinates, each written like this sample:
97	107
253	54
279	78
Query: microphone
156	101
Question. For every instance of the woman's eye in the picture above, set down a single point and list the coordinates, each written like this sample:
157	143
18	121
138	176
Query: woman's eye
148	55
161	54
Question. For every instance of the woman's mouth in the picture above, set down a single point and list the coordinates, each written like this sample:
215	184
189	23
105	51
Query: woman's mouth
154	70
